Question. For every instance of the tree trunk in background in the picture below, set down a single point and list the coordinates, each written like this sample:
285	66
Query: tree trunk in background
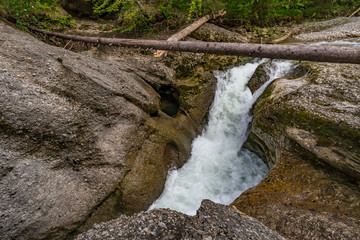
189	29
336	54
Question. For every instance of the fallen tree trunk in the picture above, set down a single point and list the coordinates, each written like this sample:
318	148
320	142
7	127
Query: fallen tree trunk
189	29
336	54
283	38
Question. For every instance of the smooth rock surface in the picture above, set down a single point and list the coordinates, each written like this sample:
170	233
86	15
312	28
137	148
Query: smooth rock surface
83	140
331	29
308	130
212	221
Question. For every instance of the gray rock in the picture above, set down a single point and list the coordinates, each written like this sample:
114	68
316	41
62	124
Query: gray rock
84	140
331	29
307	128
212	221
324	103
212	33
259	77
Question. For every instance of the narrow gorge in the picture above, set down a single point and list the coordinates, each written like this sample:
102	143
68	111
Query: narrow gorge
88	139
218	169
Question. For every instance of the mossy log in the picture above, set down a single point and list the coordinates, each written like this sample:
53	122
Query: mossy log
335	54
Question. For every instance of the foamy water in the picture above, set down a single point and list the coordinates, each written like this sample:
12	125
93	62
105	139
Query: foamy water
218	168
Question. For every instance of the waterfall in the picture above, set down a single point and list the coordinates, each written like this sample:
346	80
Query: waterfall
218	168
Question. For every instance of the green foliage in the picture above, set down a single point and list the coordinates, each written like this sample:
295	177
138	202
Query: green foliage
130	13
43	13
140	15
108	6
269	12
195	8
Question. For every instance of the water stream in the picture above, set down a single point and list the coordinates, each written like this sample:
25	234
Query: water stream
218	168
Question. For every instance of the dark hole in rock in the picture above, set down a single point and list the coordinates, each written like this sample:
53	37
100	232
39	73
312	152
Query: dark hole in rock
169	100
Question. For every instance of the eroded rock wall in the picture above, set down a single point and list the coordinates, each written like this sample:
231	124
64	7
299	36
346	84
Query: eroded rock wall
308	130
83	140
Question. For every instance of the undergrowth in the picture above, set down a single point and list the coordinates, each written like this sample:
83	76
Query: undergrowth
142	16
44	14
270	12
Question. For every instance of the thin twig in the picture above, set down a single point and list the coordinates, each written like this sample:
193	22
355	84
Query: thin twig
67	43
354	12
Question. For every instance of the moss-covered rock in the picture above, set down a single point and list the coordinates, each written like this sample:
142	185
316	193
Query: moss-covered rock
307	129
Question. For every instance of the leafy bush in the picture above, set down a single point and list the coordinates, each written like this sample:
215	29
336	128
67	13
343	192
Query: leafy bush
43	13
268	12
142	15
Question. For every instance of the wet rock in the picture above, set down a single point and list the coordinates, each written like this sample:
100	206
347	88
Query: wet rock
212	221
83	140
308	130
259	77
261	74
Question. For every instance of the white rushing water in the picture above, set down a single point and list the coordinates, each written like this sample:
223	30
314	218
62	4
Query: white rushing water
218	168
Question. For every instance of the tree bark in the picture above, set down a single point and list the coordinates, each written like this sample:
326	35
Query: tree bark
283	38
336	54
189	29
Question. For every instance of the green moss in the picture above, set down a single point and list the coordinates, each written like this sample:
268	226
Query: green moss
41	13
262	99
327	131
182	71
188	94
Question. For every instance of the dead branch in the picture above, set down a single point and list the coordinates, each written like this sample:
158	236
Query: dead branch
326	53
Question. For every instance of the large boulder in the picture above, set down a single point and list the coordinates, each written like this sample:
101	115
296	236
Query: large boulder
307	128
84	140
212	221
337	28
213	33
